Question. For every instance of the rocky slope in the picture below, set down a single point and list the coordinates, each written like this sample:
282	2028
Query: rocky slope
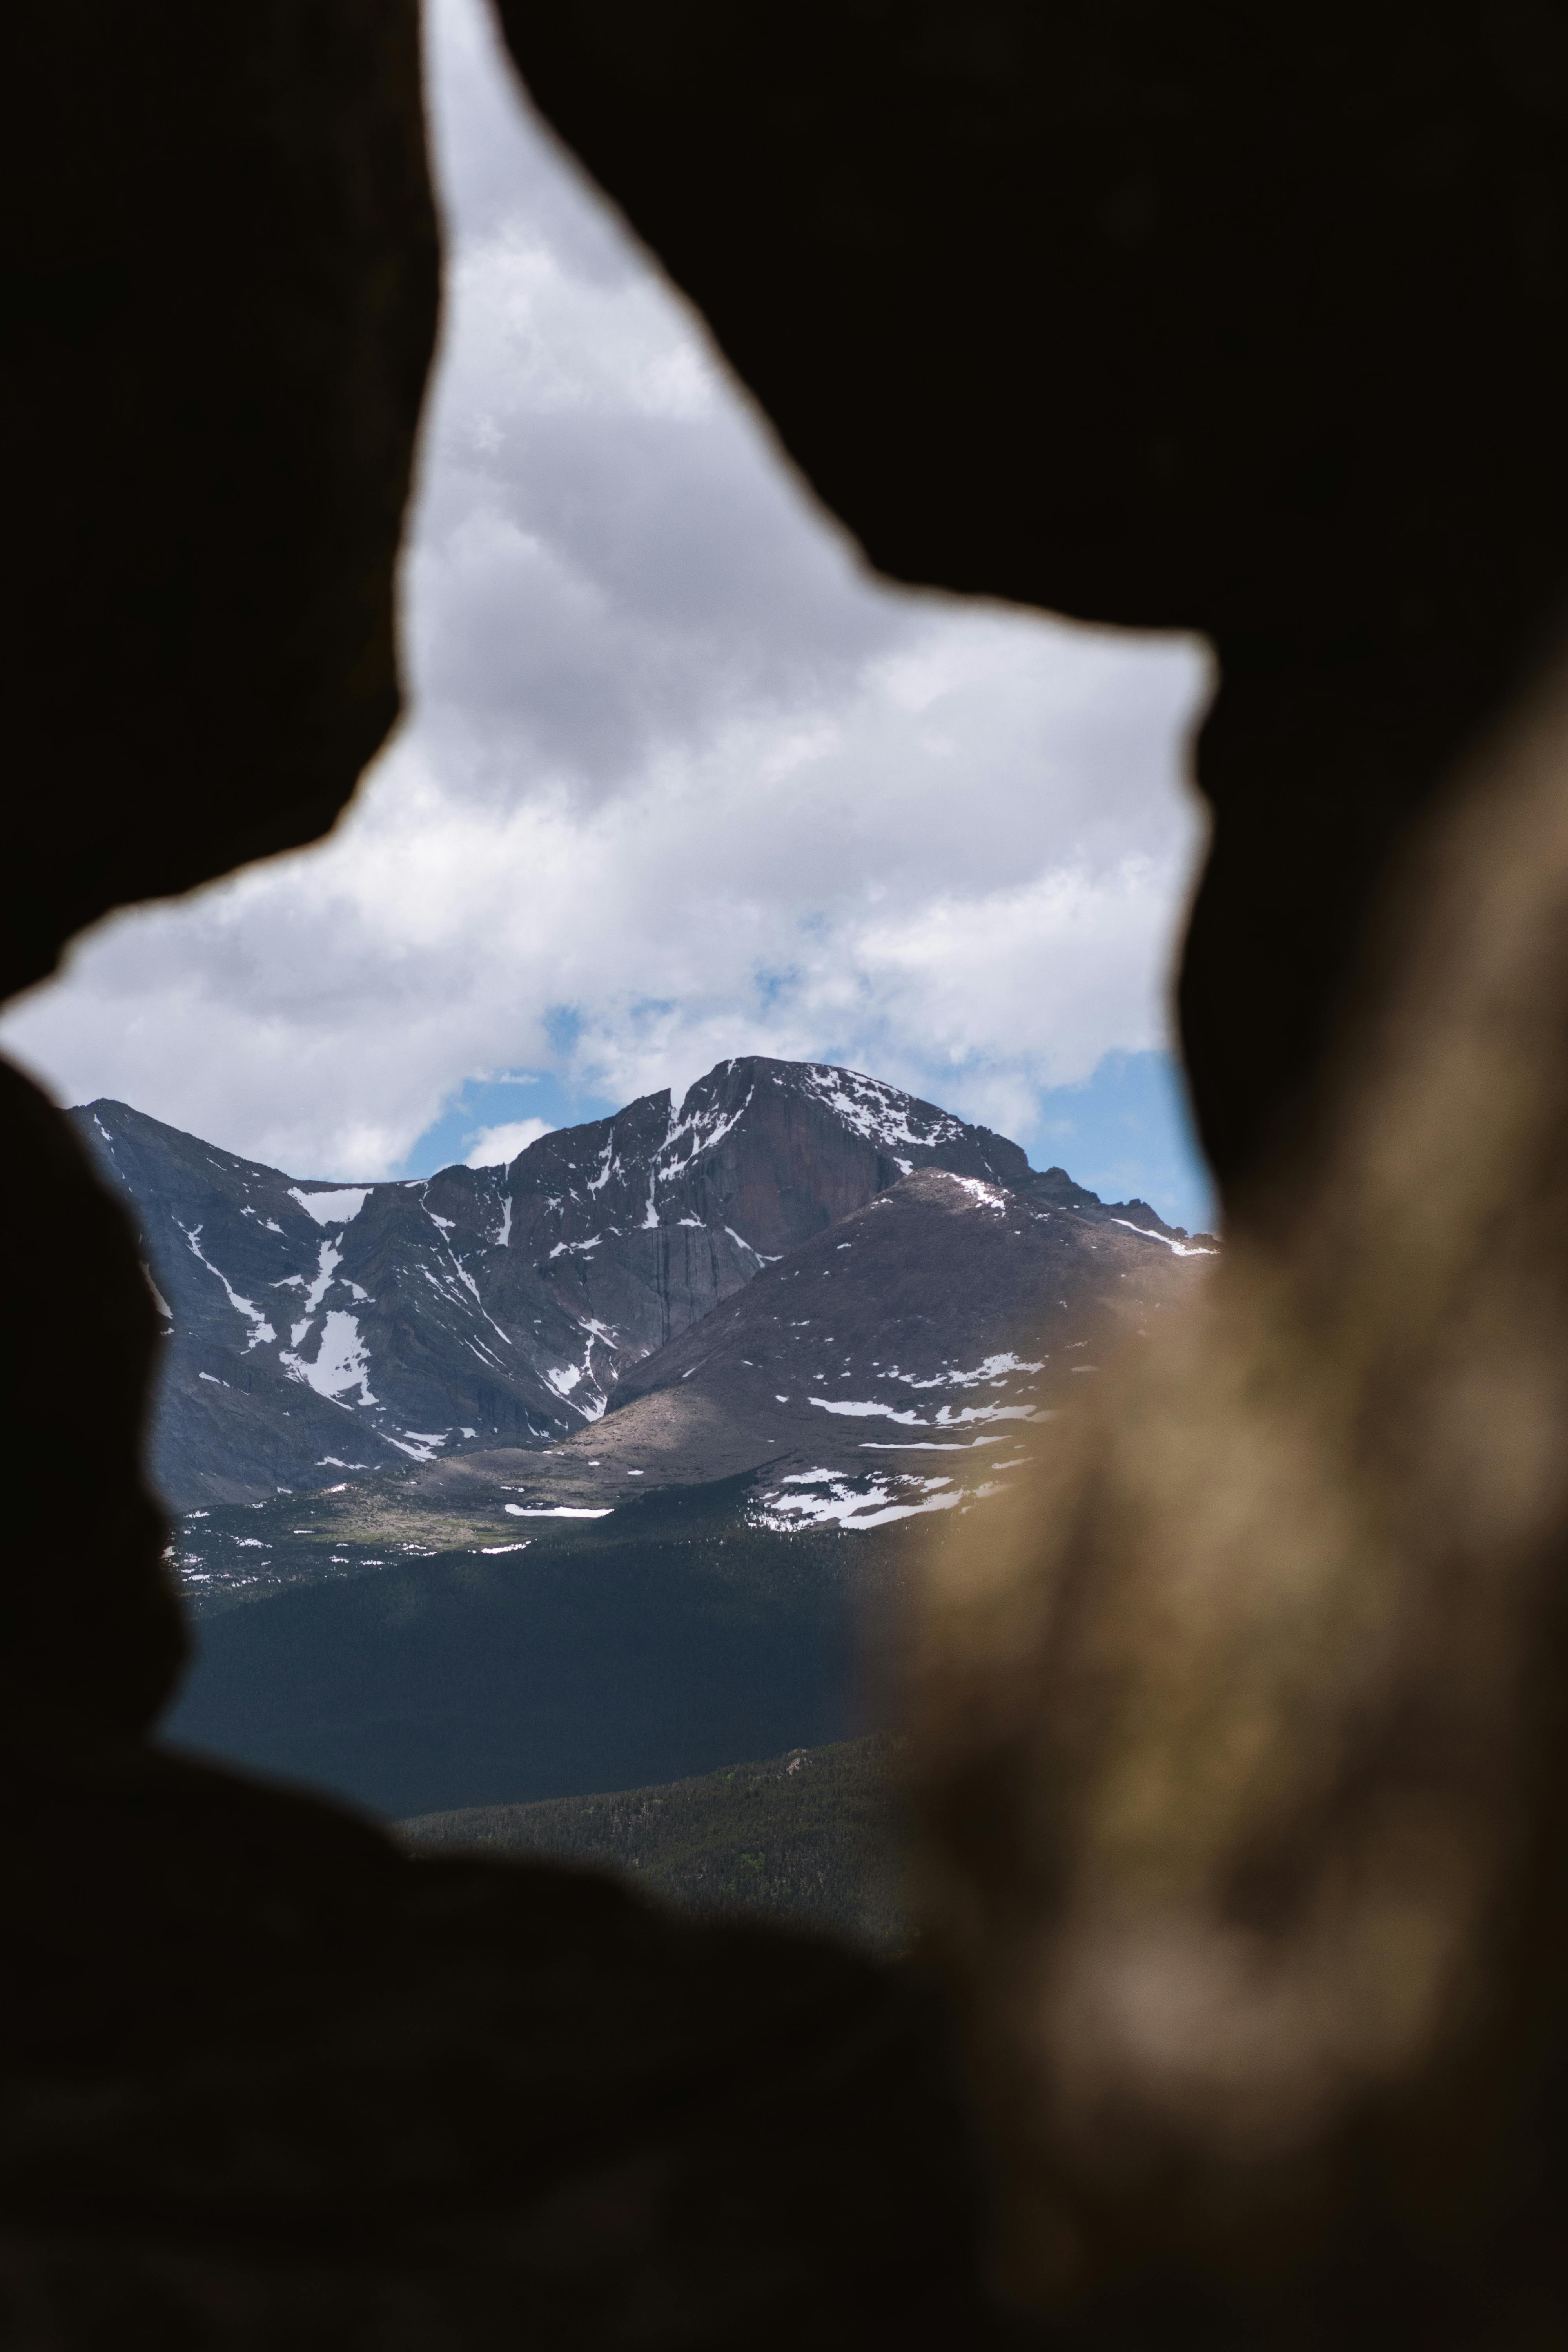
318	1333
904	1360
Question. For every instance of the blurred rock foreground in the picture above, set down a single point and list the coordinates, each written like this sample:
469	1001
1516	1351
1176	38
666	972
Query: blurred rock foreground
1240	1756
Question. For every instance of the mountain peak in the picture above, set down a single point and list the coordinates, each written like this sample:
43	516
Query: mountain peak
319	1330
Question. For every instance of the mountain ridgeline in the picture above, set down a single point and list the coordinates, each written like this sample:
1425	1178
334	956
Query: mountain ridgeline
318	1332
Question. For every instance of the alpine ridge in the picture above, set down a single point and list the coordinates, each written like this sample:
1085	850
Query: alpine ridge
318	1332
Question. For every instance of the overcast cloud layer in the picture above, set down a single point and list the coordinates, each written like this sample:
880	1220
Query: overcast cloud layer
680	781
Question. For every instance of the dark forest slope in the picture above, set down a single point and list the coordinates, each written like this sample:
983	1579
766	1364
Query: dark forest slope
812	1835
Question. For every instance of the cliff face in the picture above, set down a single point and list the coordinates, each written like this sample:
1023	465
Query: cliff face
901	1363
316	1332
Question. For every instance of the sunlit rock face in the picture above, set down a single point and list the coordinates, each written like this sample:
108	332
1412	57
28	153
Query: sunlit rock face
317	1331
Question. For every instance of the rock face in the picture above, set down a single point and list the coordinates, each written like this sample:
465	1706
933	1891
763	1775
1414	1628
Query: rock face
904	1360
319	1332
909	1359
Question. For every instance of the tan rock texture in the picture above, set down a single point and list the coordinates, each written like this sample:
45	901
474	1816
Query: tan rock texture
1244	1754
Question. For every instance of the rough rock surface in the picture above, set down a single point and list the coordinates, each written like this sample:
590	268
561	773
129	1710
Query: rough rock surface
908	1359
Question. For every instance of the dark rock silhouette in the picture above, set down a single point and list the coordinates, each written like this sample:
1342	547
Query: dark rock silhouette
1243	1764
220	255
326	2095
91	1628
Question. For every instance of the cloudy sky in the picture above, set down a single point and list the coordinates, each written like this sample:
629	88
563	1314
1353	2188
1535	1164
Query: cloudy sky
679	780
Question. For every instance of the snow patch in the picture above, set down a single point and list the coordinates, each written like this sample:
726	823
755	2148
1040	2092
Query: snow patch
830	1499
879	1113
945	1417
752	1250
260	1328
989	1195
994	1373
340	1362
608	1166
707	1128
926	1444
554	1511
418	1447
1177	1249
326	1266
339	1208
565	1378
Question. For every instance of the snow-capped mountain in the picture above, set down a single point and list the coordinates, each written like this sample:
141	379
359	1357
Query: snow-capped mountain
900	1363
319	1332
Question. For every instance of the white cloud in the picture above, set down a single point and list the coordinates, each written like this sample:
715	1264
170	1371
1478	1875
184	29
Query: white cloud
497	1147
681	781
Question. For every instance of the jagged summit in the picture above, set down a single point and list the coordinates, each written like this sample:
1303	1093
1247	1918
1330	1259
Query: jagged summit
319	1330
767	1152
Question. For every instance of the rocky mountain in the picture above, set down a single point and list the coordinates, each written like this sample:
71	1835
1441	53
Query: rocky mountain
711	1569
901	1361
320	1332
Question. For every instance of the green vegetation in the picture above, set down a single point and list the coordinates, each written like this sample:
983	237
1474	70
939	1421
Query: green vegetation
811	1836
